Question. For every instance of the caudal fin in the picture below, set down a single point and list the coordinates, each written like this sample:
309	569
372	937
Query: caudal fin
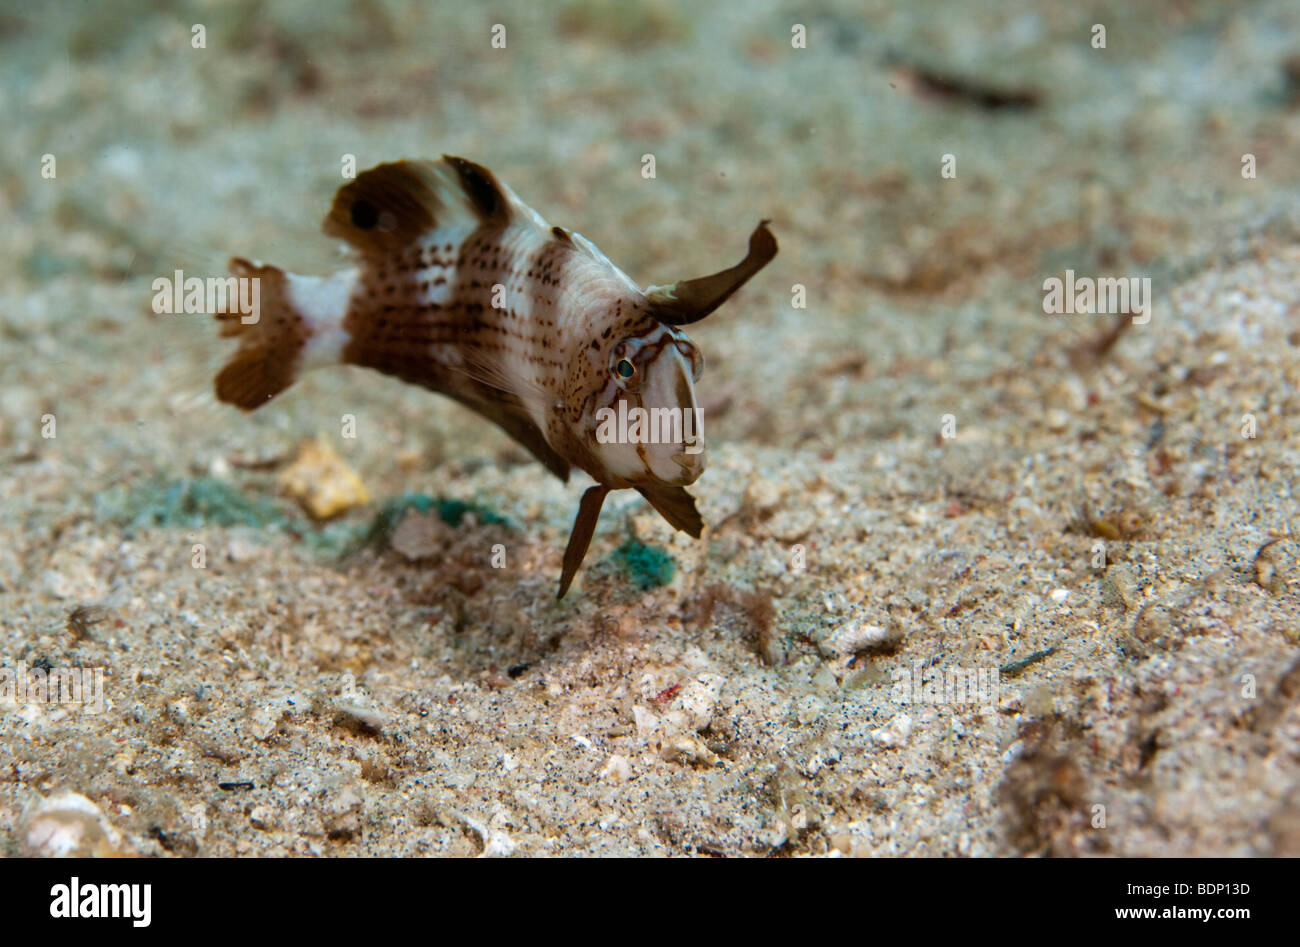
271	340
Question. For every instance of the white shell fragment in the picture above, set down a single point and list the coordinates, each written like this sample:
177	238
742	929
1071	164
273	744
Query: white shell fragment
672	734
853	636
68	825
894	733
692	707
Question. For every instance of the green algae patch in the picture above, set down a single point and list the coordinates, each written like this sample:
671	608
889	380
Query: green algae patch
649	567
187	503
193	502
451	512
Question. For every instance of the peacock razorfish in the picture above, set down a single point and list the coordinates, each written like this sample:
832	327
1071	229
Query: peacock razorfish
459	287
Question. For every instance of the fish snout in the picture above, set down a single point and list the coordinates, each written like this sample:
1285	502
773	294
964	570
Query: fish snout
692	463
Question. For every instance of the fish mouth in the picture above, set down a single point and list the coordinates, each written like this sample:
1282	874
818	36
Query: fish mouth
691	463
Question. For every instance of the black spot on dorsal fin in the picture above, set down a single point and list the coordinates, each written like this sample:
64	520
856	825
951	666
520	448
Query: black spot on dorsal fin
483	190
365	215
562	235
387	207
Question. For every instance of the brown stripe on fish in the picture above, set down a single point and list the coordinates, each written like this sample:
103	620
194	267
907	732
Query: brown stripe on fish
403	303
526	322
437	327
546	267
483	262
391	326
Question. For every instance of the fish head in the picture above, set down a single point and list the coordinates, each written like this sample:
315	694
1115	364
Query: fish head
644	427
640	424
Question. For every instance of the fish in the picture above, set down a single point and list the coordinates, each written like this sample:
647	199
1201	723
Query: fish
456	285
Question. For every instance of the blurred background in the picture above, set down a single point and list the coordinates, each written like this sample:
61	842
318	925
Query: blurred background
1118	160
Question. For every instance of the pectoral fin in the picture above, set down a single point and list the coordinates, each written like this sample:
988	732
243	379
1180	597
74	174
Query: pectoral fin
584	527
688	301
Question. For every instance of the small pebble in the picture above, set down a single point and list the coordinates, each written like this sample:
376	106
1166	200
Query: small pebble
322	483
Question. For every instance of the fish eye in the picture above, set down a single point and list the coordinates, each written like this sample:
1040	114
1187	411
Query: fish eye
623	364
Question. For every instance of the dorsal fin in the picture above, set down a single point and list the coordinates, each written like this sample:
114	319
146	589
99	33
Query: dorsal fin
491	200
388	206
391	205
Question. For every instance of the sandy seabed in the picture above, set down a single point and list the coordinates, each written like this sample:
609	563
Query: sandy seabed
919	476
